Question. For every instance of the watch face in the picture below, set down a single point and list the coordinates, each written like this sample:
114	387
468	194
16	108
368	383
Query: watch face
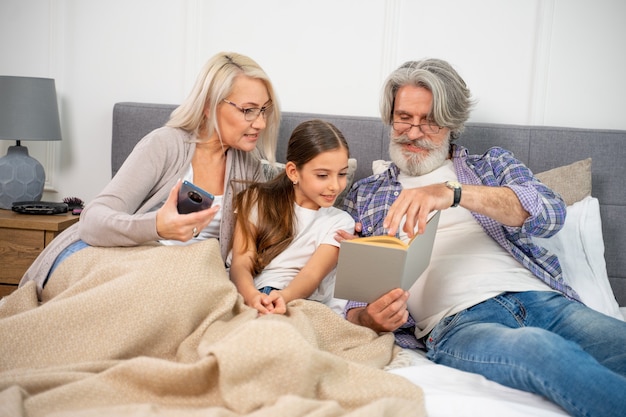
456	186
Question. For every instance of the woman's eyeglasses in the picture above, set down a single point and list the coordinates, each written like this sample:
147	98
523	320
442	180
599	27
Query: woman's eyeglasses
251	113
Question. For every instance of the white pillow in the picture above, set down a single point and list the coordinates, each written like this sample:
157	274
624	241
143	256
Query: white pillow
580	248
379	166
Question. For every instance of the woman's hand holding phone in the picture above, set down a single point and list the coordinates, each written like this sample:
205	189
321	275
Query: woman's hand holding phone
192	198
175	226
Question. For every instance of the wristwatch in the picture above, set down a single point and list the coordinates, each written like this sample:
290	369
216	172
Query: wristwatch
456	186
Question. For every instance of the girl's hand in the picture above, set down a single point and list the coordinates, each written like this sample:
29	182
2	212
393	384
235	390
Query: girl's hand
342	235
267	304
258	302
278	304
172	225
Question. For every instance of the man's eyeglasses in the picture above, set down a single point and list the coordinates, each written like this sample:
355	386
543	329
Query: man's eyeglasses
251	113
426	128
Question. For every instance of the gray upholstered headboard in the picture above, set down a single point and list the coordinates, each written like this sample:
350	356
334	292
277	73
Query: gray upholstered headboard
541	148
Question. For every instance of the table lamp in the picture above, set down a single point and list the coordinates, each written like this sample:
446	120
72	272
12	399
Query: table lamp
28	111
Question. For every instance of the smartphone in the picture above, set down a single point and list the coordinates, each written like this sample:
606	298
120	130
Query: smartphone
193	198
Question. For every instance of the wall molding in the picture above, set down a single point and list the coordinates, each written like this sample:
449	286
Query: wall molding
194	13
391	34
51	159
544	23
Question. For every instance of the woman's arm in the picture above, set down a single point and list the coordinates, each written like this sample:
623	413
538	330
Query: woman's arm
122	213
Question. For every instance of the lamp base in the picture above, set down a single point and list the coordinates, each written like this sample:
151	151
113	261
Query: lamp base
21	177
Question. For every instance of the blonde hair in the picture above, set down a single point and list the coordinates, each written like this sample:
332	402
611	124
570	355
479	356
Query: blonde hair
215	83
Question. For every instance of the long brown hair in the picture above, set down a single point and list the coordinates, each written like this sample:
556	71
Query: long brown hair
275	199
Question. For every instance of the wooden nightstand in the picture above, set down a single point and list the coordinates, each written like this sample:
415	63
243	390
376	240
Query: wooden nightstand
22	238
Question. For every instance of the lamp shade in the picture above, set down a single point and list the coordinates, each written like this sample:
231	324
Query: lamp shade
28	109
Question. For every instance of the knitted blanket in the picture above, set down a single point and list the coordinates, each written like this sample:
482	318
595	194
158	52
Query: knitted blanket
161	331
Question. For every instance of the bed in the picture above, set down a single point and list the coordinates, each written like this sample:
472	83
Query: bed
107	341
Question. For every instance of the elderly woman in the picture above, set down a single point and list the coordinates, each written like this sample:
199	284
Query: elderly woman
214	137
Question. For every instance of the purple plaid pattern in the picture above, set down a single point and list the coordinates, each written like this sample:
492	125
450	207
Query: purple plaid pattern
369	199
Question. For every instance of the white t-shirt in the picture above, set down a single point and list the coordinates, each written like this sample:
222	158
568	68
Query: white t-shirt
314	228
467	266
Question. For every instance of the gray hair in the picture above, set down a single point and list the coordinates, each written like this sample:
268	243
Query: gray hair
452	100
215	83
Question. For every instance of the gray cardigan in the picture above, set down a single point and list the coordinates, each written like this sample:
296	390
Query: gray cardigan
123	213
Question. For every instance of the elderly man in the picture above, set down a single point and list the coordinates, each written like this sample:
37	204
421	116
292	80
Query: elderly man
492	301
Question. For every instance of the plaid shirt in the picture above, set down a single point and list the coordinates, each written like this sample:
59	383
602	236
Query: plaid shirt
370	198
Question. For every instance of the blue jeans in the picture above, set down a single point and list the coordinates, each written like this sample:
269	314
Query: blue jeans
71	249
543	343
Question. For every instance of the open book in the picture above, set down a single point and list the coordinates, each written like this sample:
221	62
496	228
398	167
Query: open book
371	266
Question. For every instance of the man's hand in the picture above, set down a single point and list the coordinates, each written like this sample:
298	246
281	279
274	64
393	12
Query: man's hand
386	314
499	203
416	204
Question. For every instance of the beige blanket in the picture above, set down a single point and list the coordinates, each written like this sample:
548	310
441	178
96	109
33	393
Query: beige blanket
161	331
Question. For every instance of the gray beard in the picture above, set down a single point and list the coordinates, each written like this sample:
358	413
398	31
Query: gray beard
413	164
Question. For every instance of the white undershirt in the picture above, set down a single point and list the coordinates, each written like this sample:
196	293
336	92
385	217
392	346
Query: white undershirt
314	228
467	265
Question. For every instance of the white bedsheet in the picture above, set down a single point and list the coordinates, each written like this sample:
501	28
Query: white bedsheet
453	393
449	392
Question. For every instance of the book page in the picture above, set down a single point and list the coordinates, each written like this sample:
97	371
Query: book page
383	240
392	241
368	270
430	217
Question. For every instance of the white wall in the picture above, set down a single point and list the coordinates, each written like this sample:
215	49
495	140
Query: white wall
548	62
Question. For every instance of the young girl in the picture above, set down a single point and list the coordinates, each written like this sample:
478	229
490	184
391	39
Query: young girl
284	246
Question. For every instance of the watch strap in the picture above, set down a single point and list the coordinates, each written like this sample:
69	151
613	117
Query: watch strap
457	197
456	187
